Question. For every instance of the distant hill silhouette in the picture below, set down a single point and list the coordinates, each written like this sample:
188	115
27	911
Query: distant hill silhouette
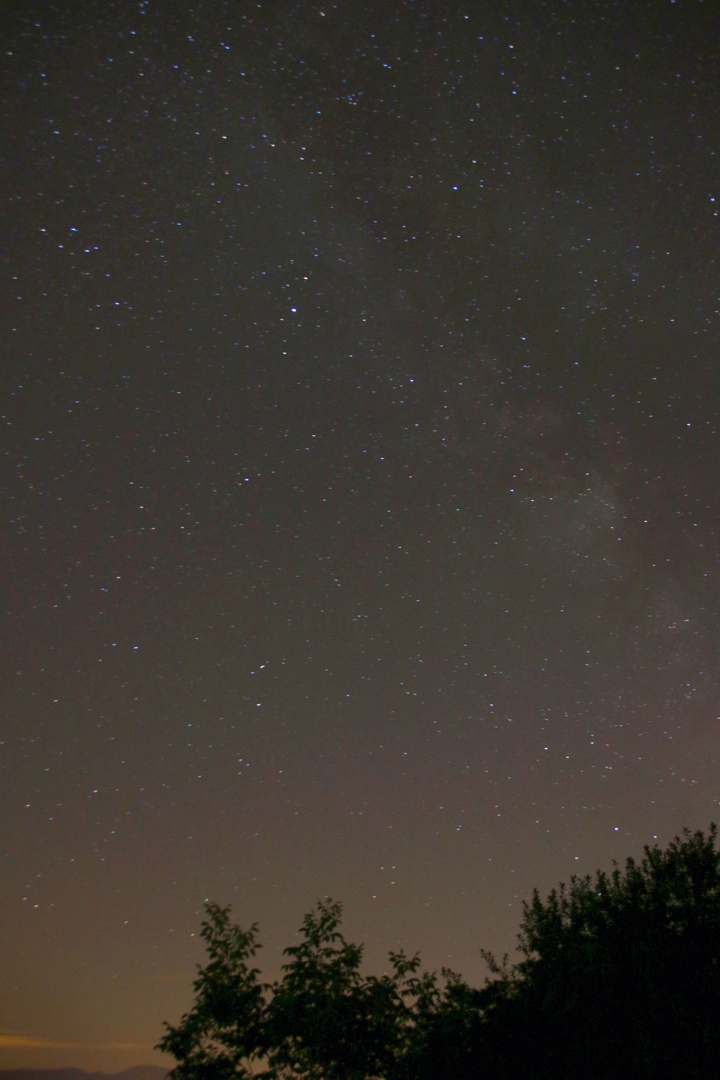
136	1072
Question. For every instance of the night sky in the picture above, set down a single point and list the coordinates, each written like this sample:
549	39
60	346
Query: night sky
360	399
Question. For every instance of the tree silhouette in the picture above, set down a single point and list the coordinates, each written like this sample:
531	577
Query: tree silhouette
223	1035
323	1020
619	975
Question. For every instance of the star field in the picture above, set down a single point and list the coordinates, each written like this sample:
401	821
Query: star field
360	443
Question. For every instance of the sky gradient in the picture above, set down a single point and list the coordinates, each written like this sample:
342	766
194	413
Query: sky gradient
360	395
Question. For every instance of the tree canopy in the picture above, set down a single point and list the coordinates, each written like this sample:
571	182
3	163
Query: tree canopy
619	974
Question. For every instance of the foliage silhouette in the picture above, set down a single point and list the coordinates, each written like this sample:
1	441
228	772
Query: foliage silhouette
619	975
323	1020
224	1033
